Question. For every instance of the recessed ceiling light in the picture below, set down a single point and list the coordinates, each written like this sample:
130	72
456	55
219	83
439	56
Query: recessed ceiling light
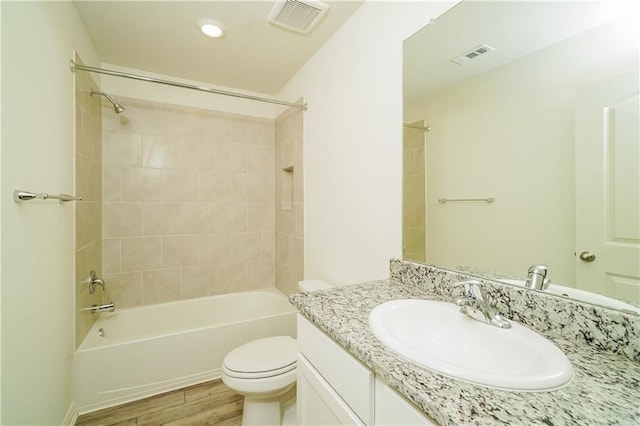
211	28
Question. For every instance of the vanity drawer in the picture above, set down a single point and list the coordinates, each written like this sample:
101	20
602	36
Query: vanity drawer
352	380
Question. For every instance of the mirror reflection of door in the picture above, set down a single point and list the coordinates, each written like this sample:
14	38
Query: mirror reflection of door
608	187
413	185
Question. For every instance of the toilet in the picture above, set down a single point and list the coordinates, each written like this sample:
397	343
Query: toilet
264	372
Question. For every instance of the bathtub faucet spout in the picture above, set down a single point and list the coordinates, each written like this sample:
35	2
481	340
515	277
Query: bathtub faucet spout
107	307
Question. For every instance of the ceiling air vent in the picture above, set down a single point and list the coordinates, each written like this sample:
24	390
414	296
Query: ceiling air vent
297	15
472	54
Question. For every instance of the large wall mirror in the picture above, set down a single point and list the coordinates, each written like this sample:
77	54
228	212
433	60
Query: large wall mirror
521	143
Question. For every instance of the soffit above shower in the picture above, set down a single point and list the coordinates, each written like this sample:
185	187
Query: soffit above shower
163	37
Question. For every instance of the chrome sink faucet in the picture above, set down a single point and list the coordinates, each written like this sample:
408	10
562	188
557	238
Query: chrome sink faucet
537	277
475	304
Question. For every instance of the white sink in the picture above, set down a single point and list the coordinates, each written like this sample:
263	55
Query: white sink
437	336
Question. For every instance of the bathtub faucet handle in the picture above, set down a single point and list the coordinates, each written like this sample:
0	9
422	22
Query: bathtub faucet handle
94	281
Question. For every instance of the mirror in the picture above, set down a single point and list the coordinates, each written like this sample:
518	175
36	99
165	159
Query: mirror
526	103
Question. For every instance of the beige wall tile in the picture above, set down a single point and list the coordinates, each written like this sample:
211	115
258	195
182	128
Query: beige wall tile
192	191
198	282
121	149
231	157
88	223
214	248
285	221
125	289
180	251
179	185
269	189
139	184
261	274
298	208
160	219
231	277
218	129
111	256
197	218
121	220
283	248
268	246
162	152
141	254
247	187
231	217
261	217
88	179
111	183
260	159
252	132
215	187
160	286
199	154
247	246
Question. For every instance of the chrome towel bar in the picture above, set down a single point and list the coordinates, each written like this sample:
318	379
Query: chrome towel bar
485	200
19	196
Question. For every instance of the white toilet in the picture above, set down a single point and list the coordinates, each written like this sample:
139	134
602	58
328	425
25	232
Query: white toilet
264	372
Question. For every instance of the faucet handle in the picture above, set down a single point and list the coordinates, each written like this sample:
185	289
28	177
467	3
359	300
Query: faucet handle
472	289
539	269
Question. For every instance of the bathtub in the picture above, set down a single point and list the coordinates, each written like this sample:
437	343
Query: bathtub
137	352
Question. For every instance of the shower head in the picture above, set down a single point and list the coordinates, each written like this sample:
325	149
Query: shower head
116	106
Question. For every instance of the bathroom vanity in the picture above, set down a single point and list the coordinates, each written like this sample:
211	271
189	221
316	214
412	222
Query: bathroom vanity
347	376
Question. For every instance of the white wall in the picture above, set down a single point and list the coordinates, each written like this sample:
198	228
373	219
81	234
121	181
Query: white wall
38	237
353	142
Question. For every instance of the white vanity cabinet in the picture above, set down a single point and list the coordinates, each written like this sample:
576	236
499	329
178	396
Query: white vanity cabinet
334	388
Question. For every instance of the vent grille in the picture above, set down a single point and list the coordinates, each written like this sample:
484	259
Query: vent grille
472	54
297	15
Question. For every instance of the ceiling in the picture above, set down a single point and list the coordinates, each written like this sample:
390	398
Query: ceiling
514	29
163	37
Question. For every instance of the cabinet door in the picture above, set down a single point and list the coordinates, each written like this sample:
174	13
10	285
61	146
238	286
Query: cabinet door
393	410
318	403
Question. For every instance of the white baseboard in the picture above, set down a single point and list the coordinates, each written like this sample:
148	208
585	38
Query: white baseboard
71	416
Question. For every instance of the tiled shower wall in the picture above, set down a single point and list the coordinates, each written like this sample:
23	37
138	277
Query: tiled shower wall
289	200
414	242
88	185
188	203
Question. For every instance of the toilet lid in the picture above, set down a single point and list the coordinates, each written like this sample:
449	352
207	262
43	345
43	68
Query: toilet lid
266	357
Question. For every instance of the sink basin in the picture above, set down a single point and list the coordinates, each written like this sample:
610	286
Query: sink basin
437	336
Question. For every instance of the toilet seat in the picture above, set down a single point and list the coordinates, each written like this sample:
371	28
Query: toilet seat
262	358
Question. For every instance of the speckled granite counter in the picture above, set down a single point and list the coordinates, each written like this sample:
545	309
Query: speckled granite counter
604	391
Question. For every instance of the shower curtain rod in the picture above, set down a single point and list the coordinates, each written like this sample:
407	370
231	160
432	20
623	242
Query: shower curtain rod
74	66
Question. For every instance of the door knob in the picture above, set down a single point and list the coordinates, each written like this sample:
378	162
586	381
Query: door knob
587	256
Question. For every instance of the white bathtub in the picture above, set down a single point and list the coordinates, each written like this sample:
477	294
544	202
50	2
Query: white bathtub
152	349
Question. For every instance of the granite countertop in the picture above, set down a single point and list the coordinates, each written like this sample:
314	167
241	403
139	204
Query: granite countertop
604	391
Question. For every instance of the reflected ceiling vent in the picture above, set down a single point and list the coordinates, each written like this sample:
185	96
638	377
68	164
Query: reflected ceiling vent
472	54
297	15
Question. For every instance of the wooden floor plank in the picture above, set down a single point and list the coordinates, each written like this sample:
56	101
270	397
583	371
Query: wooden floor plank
230	414
205	390
120	413
210	403
188	409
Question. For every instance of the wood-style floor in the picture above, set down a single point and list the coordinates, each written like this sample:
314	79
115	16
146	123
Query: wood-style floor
210	403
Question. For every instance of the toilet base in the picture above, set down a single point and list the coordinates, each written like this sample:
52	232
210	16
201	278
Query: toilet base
272	410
